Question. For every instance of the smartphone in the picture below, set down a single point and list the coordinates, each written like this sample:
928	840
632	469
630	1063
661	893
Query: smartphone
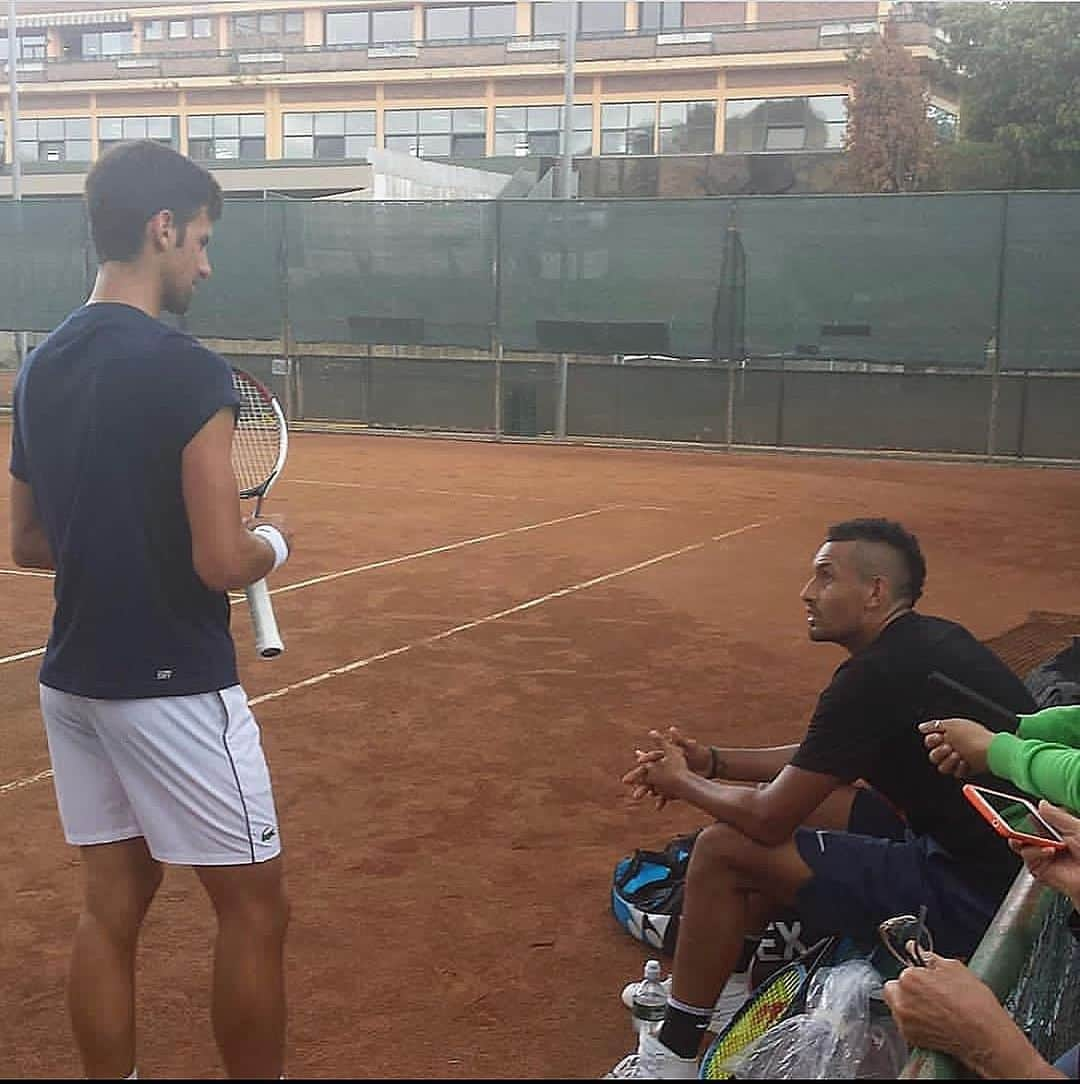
1013	817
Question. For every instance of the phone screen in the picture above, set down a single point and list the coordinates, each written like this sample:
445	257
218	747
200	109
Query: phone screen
1018	814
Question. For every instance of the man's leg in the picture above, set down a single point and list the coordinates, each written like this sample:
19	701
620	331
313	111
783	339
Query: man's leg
733	886
248	1005
121	879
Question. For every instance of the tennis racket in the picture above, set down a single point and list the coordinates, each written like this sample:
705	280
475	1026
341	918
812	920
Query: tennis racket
260	443
774	997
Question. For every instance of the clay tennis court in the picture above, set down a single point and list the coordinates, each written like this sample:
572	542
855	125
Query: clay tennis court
477	635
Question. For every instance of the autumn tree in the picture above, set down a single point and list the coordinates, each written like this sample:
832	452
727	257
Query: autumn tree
890	137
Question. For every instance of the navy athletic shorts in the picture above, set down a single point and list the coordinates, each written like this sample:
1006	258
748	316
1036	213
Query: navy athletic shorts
878	869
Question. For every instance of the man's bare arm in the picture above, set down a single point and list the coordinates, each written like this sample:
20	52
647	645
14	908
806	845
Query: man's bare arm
29	546
753	765
768	814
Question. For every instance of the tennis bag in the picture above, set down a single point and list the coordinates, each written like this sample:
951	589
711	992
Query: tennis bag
647	892
647	900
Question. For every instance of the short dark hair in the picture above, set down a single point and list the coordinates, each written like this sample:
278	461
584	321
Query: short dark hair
131	182
892	534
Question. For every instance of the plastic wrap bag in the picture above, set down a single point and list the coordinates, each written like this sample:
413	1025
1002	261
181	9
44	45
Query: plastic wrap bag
845	1033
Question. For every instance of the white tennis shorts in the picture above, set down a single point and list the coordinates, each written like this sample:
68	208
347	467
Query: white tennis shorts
187	773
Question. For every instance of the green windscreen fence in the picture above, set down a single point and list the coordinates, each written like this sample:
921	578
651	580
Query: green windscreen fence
871	278
1041	281
612	277
244	297
410	273
44	262
915	280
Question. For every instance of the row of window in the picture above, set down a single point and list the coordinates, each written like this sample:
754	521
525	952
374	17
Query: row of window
469	22
752	125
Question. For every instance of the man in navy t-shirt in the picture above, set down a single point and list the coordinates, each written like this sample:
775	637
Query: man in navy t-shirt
121	481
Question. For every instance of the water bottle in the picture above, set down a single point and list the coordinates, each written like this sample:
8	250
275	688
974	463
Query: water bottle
649	1001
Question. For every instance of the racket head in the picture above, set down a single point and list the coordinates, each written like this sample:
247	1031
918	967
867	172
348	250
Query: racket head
260	439
768	1004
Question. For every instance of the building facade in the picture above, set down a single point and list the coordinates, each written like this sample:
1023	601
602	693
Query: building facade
290	96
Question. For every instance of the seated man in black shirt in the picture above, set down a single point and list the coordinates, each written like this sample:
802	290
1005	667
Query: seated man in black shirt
845	856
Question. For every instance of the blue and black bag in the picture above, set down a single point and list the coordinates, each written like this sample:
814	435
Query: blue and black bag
647	892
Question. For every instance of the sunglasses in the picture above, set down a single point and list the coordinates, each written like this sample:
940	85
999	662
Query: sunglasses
898	933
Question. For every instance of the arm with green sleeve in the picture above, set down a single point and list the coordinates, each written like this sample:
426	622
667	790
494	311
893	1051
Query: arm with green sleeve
1043	756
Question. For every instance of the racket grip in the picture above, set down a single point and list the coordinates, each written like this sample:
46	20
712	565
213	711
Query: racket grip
267	638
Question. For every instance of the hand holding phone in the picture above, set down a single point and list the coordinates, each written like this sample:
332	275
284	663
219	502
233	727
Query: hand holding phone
1014	817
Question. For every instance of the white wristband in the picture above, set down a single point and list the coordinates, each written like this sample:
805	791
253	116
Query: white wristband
277	543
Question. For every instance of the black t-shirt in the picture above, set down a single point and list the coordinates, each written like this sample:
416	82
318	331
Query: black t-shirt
103	410
865	726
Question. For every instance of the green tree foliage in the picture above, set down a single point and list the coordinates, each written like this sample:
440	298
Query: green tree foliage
1019	71
890	139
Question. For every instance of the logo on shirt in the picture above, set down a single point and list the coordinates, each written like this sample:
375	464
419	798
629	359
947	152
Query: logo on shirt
163	675
268	834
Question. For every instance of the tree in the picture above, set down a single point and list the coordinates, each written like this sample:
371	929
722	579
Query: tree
890	137
1019	71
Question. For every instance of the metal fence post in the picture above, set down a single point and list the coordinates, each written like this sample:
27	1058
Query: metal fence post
993	347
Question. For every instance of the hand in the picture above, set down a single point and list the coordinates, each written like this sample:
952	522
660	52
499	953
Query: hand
698	756
661	771
1059	870
957	746
277	520
944	1006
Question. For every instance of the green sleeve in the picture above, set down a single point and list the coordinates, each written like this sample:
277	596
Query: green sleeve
1060	724
1047	770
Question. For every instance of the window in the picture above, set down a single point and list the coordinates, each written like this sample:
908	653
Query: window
154	30
661	16
329	135
469	22
537	129
270	24
548	19
113	130
595	17
436	133
227	135
687	127
601	17
944	121
202	28
3	140
627	128
29	46
57	139
178	28
244	26
294	22
369	27
786	124
106	43
390	26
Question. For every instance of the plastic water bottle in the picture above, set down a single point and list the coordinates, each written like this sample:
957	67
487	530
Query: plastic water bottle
650	1001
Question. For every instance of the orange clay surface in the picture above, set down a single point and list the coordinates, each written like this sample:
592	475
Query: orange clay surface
478	637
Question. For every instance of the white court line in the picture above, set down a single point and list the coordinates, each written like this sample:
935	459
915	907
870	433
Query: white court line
25	572
411	489
239	597
338	671
443	549
450	492
23	655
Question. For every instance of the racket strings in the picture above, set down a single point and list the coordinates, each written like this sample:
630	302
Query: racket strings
257	438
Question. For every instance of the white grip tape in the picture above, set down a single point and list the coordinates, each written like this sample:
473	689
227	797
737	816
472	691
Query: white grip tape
277	543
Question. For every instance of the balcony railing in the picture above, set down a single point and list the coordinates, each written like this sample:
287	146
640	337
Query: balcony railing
628	45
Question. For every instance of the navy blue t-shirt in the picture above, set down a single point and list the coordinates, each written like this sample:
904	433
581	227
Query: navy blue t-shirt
103	410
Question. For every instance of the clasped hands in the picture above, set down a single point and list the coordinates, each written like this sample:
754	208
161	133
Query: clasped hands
663	771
